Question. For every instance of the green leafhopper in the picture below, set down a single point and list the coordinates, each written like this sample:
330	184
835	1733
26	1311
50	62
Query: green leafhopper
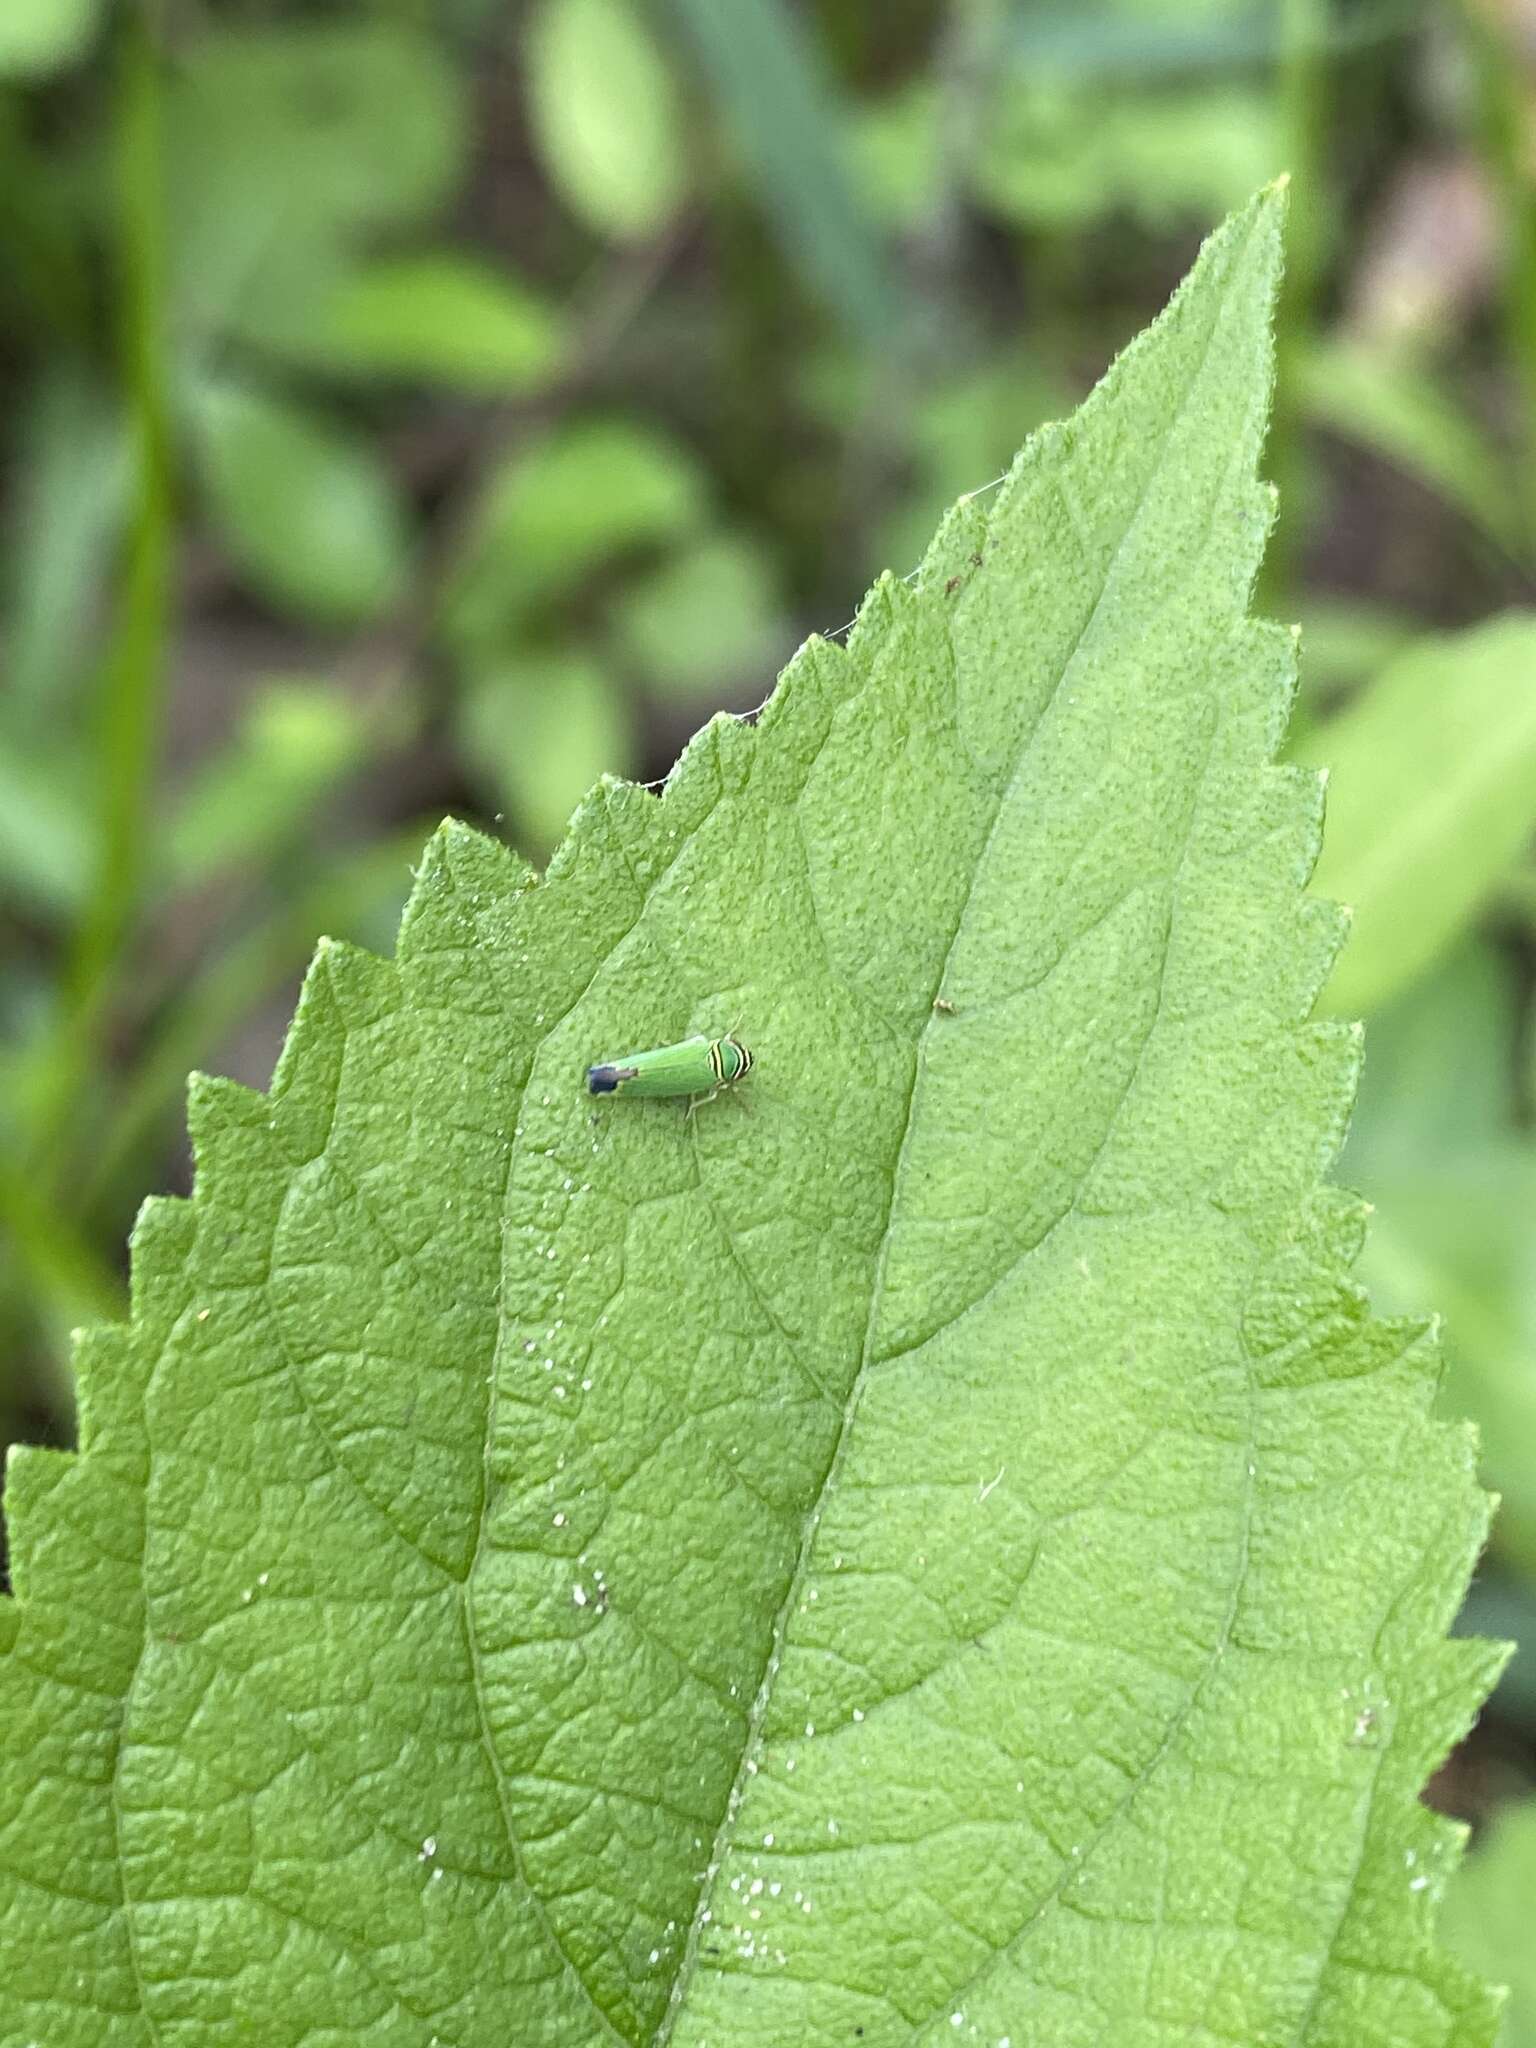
694	1066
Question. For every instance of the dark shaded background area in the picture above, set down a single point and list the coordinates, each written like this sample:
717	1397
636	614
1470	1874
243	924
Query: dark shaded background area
416	408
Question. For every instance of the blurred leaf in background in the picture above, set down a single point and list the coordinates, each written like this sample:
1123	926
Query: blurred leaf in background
1434	1145
1486	1918
289	146
308	511
556	510
1408	416
1431	800
606	116
37	36
541	729
704	625
297	740
442	317
1061	145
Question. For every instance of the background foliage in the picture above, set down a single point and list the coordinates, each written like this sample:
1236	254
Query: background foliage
415	408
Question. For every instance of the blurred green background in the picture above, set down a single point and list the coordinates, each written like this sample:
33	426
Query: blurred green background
416	408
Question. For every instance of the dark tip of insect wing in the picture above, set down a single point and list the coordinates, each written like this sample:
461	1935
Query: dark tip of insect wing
604	1080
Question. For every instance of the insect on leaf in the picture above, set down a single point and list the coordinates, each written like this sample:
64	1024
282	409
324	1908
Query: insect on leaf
929	1549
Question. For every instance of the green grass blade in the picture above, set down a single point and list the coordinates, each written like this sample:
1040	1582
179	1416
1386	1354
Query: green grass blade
778	102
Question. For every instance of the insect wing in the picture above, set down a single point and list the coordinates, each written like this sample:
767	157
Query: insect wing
694	1066
681	1069
609	1078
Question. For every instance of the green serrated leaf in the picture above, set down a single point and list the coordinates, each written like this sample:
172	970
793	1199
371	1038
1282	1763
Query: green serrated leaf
927	1548
1432	794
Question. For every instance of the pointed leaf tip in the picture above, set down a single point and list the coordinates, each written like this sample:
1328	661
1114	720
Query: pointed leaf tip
804	1566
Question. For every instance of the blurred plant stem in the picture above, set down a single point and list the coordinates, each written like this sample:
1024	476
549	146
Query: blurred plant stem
936	333
1303	97
130	708
1505	89
35	233
53	1277
767	73
66	1270
969	67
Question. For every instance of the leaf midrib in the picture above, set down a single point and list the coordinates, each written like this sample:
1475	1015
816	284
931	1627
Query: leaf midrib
752	1743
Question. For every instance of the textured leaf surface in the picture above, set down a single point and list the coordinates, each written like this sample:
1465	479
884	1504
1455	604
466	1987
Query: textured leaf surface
929	1548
